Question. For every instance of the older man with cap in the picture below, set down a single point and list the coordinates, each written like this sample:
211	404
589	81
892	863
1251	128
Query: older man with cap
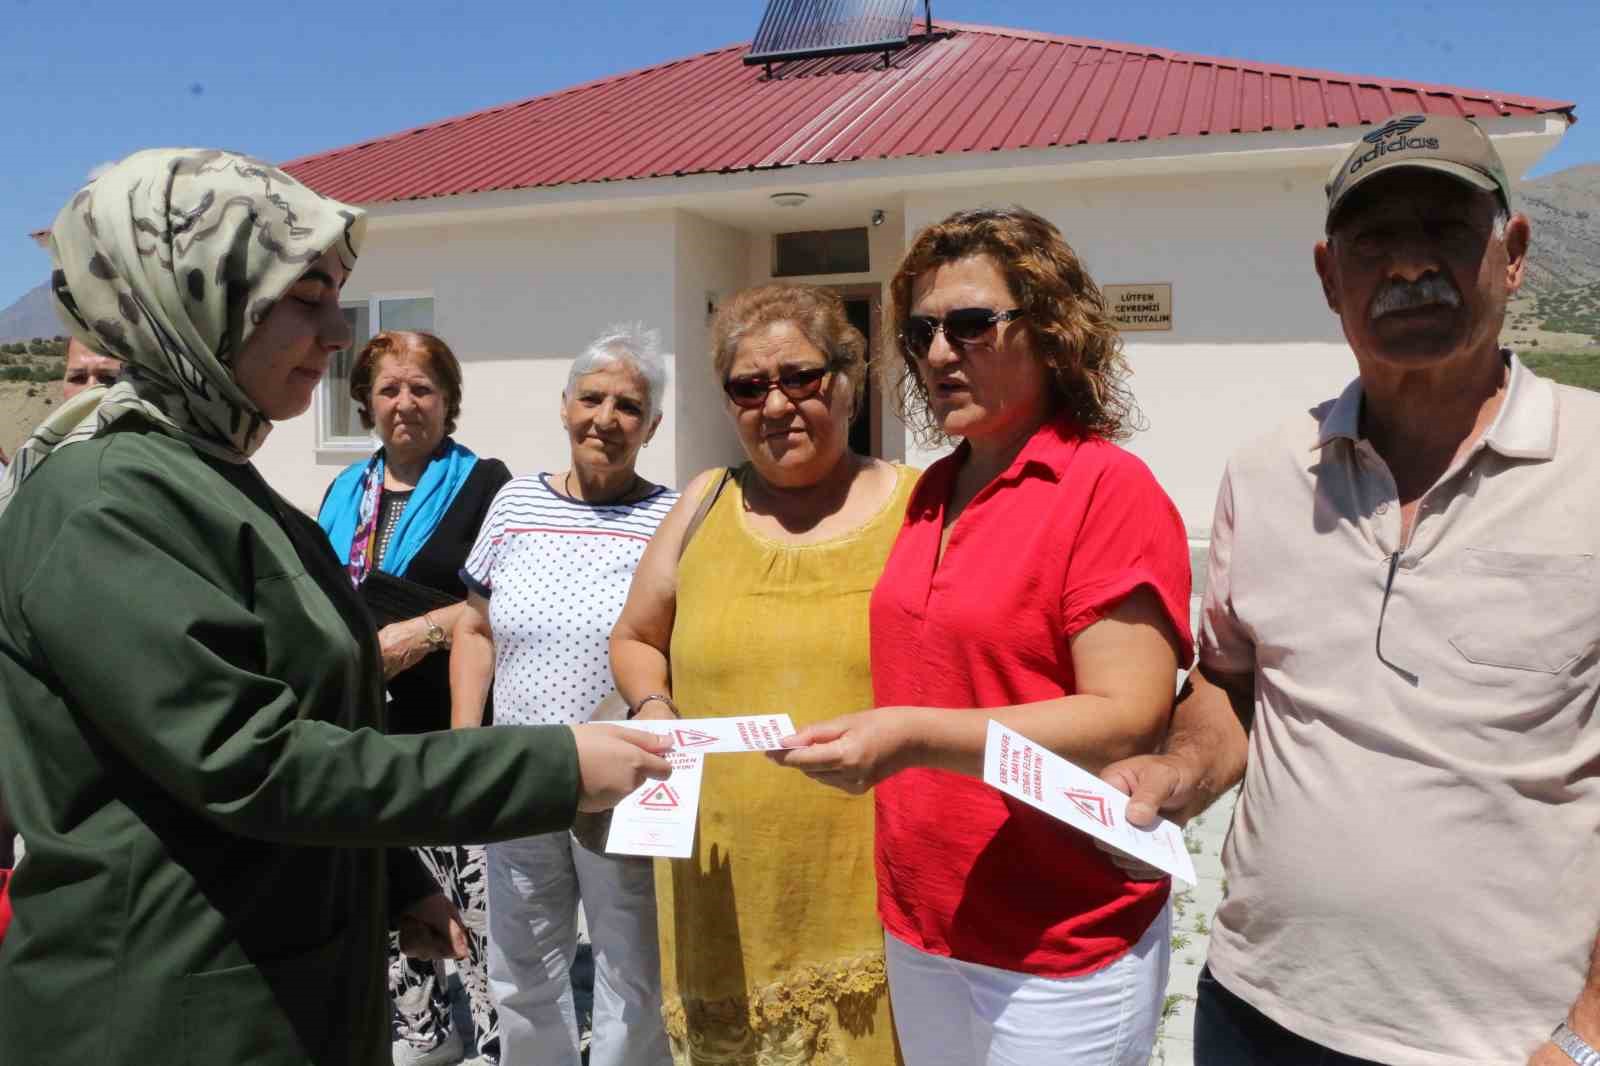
1400	656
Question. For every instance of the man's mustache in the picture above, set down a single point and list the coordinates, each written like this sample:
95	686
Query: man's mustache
1404	295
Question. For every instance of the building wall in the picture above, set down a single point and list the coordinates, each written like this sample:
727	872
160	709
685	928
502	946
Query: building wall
712	264
516	301
885	243
1252	340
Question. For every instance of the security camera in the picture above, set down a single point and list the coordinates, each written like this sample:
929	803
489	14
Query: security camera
877	217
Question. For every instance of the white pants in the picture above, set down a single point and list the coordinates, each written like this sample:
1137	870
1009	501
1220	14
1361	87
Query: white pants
953	1013
534	887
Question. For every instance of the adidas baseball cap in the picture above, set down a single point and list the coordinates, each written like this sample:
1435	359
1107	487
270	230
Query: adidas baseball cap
1442	143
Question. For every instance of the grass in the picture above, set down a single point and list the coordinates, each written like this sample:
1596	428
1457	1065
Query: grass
1580	368
1169	1008
1574	310
37	372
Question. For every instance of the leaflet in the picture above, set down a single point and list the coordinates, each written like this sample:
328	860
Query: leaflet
1041	778
659	817
714	736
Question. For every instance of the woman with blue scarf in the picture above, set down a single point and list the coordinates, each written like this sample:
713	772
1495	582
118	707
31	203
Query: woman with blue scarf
403	522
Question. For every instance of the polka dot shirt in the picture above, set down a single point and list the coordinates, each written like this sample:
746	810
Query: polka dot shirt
556	572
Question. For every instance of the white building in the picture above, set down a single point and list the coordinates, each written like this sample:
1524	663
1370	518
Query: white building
518	232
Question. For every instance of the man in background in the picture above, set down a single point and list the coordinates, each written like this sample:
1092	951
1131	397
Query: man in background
87	368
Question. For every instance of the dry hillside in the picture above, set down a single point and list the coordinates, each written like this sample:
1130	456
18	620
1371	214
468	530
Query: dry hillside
20	411
1564	208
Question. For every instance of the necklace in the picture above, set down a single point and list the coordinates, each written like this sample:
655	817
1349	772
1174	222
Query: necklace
633	486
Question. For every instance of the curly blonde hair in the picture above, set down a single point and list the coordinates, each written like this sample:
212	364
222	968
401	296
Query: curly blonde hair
1065	316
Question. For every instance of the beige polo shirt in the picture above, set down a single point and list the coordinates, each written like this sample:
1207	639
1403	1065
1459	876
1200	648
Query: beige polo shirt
1413	872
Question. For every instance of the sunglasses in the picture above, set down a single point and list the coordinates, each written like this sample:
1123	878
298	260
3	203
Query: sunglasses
802	384
965	325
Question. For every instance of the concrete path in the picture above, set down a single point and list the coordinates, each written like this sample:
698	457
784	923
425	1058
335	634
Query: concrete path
1191	932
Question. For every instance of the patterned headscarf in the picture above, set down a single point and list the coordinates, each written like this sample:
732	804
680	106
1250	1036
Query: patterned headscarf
169	261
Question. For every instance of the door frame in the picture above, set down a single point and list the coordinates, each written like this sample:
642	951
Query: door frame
884	445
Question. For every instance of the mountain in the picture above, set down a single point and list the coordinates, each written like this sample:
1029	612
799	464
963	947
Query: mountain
1564	208
31	316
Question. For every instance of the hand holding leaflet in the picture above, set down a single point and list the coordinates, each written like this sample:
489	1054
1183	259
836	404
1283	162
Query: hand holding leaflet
1040	778
715	736
659	817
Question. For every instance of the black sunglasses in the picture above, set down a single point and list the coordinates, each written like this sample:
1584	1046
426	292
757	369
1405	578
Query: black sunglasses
752	391
965	325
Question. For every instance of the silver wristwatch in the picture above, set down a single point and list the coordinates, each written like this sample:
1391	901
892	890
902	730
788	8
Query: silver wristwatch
1576	1047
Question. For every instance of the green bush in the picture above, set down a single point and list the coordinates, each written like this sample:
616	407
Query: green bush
38	372
1580	368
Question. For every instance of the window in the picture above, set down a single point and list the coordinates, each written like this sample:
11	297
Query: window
339	421
826	251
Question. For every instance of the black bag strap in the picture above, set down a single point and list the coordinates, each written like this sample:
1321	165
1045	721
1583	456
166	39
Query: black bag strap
706	503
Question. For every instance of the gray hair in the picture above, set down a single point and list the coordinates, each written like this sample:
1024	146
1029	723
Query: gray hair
631	343
1502	217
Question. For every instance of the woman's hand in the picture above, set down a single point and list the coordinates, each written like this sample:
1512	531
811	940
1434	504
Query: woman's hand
431	929
404	644
853	752
614	760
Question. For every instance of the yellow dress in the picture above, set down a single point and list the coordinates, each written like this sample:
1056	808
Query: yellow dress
771	951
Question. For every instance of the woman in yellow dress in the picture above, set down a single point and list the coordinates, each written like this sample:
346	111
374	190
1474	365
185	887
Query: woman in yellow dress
771	950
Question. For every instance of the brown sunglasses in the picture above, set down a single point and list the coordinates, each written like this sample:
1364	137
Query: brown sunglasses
751	391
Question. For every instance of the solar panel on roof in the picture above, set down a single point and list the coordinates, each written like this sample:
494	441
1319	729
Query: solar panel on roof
800	29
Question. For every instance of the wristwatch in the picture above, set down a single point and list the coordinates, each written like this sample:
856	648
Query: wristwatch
434	634
1576	1047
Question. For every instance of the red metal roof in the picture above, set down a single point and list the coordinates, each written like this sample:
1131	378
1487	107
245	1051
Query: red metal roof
967	89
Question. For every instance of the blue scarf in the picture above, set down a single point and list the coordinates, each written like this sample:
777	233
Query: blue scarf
342	510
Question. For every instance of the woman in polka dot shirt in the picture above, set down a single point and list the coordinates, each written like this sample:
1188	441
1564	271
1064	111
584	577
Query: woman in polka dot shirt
547	579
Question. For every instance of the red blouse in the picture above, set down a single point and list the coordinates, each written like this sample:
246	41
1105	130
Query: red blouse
1072	527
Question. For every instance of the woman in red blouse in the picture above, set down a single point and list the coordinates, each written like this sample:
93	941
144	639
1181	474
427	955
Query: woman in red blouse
1041	579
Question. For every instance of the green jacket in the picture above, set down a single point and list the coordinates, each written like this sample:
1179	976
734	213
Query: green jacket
191	715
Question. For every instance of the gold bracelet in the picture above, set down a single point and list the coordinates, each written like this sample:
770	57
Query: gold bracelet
663	697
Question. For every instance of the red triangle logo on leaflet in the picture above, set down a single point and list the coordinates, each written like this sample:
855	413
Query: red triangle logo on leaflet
1089	803
693	738
660	798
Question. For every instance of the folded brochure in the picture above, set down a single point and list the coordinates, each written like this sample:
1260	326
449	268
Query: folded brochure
1040	778
659	817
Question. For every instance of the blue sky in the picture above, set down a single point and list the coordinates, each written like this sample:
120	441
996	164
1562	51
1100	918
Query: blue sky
87	81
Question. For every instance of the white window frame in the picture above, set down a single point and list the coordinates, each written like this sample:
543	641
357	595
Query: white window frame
367	442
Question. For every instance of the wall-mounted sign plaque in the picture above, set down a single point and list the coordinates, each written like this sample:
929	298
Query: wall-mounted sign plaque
1140	308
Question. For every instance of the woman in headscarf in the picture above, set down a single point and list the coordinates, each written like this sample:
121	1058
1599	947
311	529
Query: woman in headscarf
404	520
214	817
